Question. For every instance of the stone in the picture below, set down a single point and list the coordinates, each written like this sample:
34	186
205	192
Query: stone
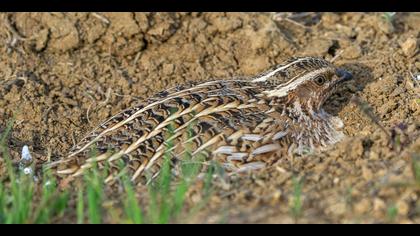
374	156
352	52
409	46
378	204
362	206
402	207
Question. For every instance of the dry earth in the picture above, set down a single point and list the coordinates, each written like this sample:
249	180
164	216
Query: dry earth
62	74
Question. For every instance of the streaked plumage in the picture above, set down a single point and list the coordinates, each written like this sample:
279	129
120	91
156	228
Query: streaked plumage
244	123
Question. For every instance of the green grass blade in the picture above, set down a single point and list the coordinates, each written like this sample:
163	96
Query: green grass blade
296	207
179	197
94	197
80	206
132	208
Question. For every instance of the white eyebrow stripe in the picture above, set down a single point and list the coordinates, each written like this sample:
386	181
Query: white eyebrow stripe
291	80
283	90
266	76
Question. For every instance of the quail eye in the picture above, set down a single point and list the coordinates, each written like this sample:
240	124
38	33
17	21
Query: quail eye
320	80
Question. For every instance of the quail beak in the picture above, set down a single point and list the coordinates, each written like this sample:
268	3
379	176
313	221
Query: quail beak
344	75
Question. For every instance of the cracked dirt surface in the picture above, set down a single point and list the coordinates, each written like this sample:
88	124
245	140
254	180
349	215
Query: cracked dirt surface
62	74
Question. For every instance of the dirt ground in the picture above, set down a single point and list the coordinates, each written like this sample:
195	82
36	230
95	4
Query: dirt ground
62	74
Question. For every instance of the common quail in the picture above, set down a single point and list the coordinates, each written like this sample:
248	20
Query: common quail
242	123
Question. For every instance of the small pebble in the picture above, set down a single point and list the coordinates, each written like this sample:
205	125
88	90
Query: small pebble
378	204
352	52
385	26
362	207
374	156
403	208
409	47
